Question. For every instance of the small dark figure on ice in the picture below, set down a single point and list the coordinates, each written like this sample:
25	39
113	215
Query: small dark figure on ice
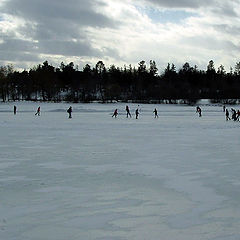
128	112
69	112
15	110
227	115
199	111
115	113
38	111
137	113
224	108
238	115
234	114
155	113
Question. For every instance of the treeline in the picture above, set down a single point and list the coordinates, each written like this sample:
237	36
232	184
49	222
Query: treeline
142	83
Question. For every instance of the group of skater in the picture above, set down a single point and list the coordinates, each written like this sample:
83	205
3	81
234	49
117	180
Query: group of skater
115	113
235	114
69	111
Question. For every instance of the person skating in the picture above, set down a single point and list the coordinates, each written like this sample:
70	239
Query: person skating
137	113
234	114
115	113
155	113
38	111
224	108
69	112
15	110
227	115
128	112
238	115
199	111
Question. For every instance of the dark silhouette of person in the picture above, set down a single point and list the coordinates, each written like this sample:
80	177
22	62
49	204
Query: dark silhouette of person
234	114
238	114
155	113
14	110
137	113
224	108
227	115
128	112
115	113
199	111
38	111
69	112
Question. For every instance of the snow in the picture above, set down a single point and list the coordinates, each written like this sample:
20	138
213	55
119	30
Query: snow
94	177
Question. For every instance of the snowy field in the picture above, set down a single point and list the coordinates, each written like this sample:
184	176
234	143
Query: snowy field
94	177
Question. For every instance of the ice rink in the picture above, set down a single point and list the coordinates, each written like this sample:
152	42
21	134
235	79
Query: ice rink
94	177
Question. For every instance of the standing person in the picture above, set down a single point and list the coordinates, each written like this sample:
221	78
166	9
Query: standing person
38	111
14	110
199	110
128	111
155	113
224	108
115	113
238	114
137	113
227	115
234	114
70	112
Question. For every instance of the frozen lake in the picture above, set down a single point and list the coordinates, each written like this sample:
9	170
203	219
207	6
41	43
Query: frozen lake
94	177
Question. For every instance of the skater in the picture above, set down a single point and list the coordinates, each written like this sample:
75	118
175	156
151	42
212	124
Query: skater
38	112
115	113
70	112
128	112
227	115
238	115
155	113
14	110
137	113
224	108
199	110
234	114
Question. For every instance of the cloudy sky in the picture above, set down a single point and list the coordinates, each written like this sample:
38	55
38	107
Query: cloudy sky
120	32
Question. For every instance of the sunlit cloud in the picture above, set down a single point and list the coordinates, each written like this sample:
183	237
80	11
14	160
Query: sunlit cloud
123	32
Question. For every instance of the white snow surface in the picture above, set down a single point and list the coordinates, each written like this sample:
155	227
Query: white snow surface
94	177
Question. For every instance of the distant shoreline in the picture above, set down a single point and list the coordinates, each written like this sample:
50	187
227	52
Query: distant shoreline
164	101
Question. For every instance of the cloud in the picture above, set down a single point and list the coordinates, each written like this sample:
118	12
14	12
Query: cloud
119	32
42	11
180	3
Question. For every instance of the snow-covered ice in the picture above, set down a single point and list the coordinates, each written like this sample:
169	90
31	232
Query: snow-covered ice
94	177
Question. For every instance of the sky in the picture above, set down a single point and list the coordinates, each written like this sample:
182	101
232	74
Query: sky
120	32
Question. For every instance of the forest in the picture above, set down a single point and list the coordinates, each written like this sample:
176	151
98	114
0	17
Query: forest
138	84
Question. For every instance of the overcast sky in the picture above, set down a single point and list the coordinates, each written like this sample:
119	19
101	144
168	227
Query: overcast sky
120	32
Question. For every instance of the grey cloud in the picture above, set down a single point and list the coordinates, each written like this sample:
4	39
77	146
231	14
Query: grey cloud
225	10
181	3
53	25
67	48
42	11
17	45
212	44
19	56
224	28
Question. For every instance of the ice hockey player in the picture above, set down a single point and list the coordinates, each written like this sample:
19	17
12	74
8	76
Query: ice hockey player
227	115
155	113
224	108
14	110
199	111
128	112
137	113
115	113
38	111
234	114
69	112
